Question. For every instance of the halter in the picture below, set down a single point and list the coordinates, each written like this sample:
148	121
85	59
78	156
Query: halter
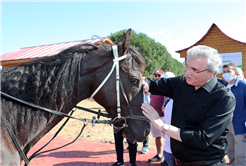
118	86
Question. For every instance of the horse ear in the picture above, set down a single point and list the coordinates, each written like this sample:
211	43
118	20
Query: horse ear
126	41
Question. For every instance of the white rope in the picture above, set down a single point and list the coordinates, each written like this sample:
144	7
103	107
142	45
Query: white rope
112	69
104	81
120	58
115	51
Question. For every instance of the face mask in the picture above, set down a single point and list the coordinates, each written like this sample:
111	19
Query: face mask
228	77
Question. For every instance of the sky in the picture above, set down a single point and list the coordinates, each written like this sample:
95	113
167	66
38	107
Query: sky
174	24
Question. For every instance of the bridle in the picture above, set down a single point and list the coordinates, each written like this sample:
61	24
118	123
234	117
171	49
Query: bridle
118	86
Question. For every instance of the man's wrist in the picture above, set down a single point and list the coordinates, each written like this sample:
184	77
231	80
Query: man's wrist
165	128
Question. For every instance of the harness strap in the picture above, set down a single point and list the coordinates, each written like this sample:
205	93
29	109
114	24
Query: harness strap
22	154
36	153
109	74
94	112
131	116
117	71
137	117
58	131
104	81
65	144
124	94
60	113
55	112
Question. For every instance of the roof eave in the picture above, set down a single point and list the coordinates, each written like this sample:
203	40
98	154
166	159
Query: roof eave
210	29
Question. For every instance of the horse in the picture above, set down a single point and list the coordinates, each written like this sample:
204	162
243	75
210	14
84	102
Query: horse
61	81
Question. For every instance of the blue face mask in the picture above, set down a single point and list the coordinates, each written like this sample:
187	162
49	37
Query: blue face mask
239	77
228	77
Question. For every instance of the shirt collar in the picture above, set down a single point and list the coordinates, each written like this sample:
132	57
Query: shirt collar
236	83
210	85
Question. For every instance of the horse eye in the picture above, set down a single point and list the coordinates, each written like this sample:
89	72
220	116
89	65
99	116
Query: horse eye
134	81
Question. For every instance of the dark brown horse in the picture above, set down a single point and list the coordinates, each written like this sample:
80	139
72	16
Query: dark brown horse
59	82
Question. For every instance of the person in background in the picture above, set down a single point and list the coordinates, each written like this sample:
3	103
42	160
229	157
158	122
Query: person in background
240	74
236	137
132	147
167	153
202	109
145	147
156	101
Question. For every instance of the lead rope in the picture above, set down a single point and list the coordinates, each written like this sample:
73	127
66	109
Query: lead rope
22	154
58	131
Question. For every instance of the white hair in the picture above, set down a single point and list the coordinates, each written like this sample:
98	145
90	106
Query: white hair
239	70
240	73
214	61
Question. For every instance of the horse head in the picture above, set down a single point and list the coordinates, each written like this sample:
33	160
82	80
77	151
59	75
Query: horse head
131	92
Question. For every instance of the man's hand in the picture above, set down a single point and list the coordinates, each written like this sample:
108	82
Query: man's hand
158	124
153	116
145	87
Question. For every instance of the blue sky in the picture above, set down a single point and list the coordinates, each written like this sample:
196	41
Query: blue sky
175	24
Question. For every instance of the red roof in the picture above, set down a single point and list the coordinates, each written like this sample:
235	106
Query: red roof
44	50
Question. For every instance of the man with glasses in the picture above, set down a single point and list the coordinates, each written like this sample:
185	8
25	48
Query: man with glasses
158	74
202	110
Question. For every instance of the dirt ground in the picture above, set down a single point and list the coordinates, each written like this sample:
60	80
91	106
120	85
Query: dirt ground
99	132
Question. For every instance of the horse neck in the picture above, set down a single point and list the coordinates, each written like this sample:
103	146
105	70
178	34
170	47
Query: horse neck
54	87
61	92
51	86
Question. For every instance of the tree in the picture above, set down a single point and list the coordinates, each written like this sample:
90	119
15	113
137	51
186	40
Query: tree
155	54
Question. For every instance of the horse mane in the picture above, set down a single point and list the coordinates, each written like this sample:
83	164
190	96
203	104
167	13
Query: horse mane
137	57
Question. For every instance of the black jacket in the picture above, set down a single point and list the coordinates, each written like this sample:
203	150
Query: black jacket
202	115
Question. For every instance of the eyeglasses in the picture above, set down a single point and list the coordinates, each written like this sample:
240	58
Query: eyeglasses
192	69
157	75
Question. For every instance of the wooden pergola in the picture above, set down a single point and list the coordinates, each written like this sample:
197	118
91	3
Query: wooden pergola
215	38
